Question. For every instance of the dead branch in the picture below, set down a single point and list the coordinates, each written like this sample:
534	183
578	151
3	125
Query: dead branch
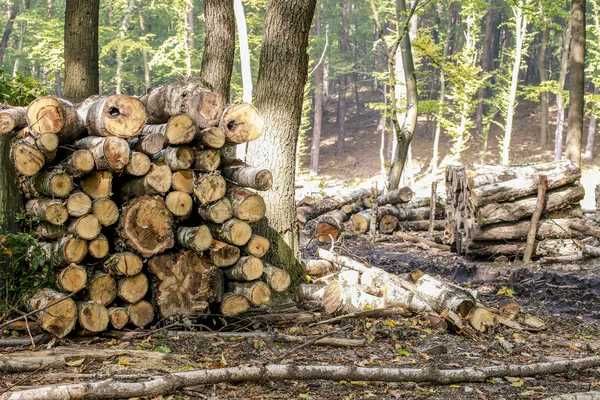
535	218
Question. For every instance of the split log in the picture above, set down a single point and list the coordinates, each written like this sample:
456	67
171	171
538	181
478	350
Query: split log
245	269
209	188
118	316
202	105
123	264
278	279
257	293
48	210
196	238
207	160
26	158
233	304
102	289
330	226
110	153
187	283
183	181
106	211
176	158
179	203
223	254
139	164
48	231
98	184
247	205
241	174
146	225
117	115
217	212
149	143
133	288
306	213
72	278
141	313
51	114
213	137
58	313
65	251
157	181
87	227
257	246
79	163
54	183
241	123
99	247
93	317
12	119
233	231
179	129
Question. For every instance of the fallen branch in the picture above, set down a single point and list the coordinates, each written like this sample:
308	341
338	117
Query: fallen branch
535	218
160	385
24	341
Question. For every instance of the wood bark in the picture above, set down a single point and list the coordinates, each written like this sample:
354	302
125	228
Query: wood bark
247	268
233	231
65	251
257	292
13	10
149	143
223	254
278	279
544	97
547	229
560	102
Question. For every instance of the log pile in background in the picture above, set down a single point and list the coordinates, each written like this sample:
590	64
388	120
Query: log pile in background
143	221
362	210
489	210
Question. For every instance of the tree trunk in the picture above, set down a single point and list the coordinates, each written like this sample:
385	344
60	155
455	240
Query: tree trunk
544	97
591	138
189	36
487	61
343	81
147	70
81	49
577	82
12	15
122	35
317	109
560	103
245	66
219	45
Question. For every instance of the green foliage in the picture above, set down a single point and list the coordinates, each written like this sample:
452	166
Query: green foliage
19	90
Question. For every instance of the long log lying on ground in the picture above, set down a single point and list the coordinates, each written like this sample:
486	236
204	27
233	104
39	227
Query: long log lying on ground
157	385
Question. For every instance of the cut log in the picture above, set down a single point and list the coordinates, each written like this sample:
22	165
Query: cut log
72	278
317	268
278	279
139	164
183	181
46	143
196	238
141	313
422	225
360	222
106	211
102	289
241	123
133	288
26	158
241	174
202	105
490	174
79	163
388	219
187	283
93	317
246	205
50	114
110	153
257	246
176	158
257	293
581	227
407	237
548	229
79	204
223	254
124	264
65	251
118	316
48	210
234	304
157	181
99	247
348	299
146	225
207	160
245	269
12	119
86	227
48	231
180	129
58	313
149	143
545	248
98	184
305	213
54	183
217	212
116	115
402	195
233	231
330	225
209	188
213	137
180	204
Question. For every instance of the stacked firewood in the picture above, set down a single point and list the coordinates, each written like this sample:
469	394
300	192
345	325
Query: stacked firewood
138	208
490	210
369	211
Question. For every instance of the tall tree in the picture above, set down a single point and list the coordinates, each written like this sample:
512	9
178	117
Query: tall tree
120	47
81	49
560	102
543	73
219	45
279	95
344	45
245	65
12	15
189	35
146	61
577	82
317	106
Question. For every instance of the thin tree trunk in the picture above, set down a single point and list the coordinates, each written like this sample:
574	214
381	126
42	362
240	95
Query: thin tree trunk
317	108
520	32
343	80
122	34
487	59
591	137
9	195
438	125
219	45
544	97
577	82
189	36
279	94
81	49
560	102
12	14
245	66
147	71
19	49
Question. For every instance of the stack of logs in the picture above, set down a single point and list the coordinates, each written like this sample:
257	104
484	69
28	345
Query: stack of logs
369	211
489	211
138	208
